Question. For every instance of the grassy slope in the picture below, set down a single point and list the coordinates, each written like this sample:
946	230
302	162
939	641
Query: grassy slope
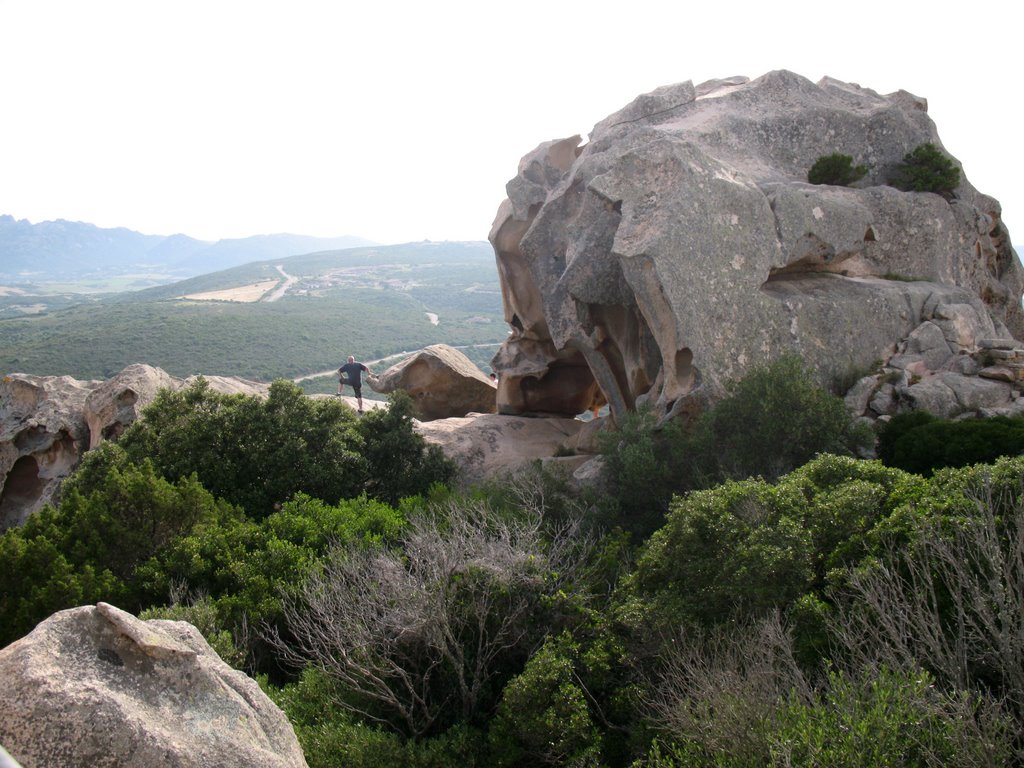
369	302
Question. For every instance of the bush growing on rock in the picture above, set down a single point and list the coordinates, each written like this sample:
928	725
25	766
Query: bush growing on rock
835	169
926	169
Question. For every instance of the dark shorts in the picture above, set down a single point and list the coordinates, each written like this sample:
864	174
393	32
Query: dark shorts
357	388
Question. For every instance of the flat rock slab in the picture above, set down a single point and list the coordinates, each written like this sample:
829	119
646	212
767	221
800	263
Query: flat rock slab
487	445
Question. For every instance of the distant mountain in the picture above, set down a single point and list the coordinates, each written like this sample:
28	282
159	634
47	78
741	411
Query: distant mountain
68	251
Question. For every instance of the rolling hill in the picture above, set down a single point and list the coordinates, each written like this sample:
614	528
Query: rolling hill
370	302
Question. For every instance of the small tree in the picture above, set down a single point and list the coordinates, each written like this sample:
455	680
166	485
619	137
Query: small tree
428	633
926	169
836	169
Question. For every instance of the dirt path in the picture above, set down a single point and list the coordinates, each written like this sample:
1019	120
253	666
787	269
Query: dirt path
289	281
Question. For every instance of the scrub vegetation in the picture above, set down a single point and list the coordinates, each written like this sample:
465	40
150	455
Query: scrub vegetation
719	604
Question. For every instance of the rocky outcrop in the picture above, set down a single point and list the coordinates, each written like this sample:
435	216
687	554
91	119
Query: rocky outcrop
488	445
948	367
112	406
43	433
682	246
47	422
96	686
442	382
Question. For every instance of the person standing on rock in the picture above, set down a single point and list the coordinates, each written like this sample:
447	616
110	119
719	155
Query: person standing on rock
351	373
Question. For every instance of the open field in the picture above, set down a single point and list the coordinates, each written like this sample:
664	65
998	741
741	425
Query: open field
244	293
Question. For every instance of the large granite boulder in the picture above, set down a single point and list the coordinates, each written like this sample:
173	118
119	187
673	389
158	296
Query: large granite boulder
683	245
442	382
48	422
95	686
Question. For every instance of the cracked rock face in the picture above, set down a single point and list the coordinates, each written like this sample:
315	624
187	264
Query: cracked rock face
96	686
683	245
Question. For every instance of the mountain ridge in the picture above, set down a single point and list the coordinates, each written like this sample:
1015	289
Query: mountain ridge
62	250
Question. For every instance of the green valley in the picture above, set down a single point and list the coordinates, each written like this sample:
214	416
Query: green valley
370	302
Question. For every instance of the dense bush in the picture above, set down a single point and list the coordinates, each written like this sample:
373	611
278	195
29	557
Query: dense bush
926	169
644	466
835	169
258	453
918	442
544	718
772	421
90	548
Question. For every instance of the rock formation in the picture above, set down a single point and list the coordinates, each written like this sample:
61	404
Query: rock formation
442	382
486	445
96	686
683	245
47	422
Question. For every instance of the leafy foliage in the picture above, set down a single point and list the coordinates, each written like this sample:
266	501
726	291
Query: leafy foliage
926	169
92	546
544	718
773	420
258	454
921	443
835	169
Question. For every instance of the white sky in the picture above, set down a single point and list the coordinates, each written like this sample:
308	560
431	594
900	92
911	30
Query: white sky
401	121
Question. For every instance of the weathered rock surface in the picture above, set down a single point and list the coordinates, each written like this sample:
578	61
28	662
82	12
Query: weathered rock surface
487	445
682	246
47	422
95	686
43	433
442	382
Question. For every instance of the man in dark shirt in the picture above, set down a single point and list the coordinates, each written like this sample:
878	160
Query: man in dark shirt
350	374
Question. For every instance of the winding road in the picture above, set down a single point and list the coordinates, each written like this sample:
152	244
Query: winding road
289	281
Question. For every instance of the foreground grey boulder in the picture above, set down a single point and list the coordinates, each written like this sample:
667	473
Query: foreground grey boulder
683	245
441	381
95	686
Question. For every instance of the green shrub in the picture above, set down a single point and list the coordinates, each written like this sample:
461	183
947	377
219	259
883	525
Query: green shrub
245	566
738	548
645	466
835	169
921	443
93	545
259	453
773	420
889	718
926	169
544	718
331	737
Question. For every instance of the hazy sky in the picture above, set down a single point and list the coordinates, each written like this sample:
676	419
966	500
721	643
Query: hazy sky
402	121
